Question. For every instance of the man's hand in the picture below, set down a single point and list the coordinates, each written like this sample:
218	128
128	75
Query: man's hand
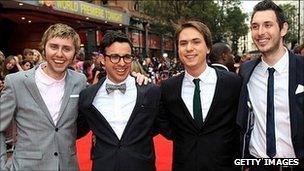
140	78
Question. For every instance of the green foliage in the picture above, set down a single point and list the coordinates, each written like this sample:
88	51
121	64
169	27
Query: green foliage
292	20
236	27
225	19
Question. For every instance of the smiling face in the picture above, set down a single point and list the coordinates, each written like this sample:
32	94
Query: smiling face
266	33
59	54
117	73
11	64
26	66
192	51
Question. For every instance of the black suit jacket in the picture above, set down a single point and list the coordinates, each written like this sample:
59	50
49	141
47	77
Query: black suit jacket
135	149
216	144
296	104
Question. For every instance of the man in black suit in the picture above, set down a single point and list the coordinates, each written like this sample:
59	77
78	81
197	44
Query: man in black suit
271	106
199	106
120	114
221	57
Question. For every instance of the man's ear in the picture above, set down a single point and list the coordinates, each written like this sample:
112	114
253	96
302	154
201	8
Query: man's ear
284	29
208	51
102	59
223	57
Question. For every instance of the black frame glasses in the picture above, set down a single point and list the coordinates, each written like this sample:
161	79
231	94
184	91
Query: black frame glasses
115	58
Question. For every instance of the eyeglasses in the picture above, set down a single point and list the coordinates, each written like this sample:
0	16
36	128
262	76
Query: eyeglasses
115	58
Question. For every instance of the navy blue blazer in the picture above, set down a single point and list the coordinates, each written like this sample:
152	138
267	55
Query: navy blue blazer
216	144
135	149
296	104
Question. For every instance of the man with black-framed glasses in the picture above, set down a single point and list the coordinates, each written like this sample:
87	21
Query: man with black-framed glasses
120	114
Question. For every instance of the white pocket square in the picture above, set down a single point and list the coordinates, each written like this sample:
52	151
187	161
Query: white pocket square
74	95
300	89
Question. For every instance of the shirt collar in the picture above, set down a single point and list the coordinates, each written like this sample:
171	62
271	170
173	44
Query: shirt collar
45	79
204	76
128	81
280	66
220	65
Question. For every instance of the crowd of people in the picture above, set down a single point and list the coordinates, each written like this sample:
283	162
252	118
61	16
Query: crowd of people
215	107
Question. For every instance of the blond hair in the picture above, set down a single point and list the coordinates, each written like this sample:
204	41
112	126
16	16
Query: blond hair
136	67
61	31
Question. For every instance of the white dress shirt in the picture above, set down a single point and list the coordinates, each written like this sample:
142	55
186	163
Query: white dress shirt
116	107
220	65
51	90
257	88
207	86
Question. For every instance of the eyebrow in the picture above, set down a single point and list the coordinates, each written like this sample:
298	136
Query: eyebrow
190	40
263	22
55	44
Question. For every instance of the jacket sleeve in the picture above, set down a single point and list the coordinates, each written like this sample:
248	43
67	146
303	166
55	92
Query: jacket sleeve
163	118
82	125
7	110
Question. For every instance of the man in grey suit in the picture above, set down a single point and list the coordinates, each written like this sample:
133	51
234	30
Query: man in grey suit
43	102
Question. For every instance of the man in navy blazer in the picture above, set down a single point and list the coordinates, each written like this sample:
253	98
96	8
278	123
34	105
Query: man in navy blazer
120	113
271	105
204	130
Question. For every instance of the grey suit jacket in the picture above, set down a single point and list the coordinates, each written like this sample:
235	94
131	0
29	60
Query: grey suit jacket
41	145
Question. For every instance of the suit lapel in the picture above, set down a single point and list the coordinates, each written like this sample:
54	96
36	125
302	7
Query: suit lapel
93	91
31	85
178	93
141	91
249	69
292	88
68	89
90	98
217	92
245	73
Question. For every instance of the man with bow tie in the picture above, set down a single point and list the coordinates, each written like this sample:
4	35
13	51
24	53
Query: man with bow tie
120	114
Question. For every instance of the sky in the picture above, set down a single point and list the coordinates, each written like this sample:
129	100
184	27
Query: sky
248	5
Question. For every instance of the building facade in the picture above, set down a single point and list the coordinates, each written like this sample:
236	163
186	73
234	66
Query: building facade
23	22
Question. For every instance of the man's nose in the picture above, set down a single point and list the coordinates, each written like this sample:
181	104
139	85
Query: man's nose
121	62
189	46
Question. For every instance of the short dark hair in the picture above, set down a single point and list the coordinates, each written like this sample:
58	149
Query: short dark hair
270	5
111	37
199	26
23	62
217	50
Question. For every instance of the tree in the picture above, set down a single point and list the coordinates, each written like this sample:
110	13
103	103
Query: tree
292	20
236	27
224	18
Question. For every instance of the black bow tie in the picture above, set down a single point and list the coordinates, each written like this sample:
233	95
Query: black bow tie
111	87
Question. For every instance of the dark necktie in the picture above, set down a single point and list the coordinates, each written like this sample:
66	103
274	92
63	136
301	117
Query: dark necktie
111	87
197	108
270	125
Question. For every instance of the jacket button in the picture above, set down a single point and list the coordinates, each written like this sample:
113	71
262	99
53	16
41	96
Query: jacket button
56	129
55	154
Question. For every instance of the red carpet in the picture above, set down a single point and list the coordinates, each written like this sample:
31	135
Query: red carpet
163	149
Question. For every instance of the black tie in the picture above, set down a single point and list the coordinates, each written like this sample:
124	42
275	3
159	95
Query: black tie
111	87
270	125
197	108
